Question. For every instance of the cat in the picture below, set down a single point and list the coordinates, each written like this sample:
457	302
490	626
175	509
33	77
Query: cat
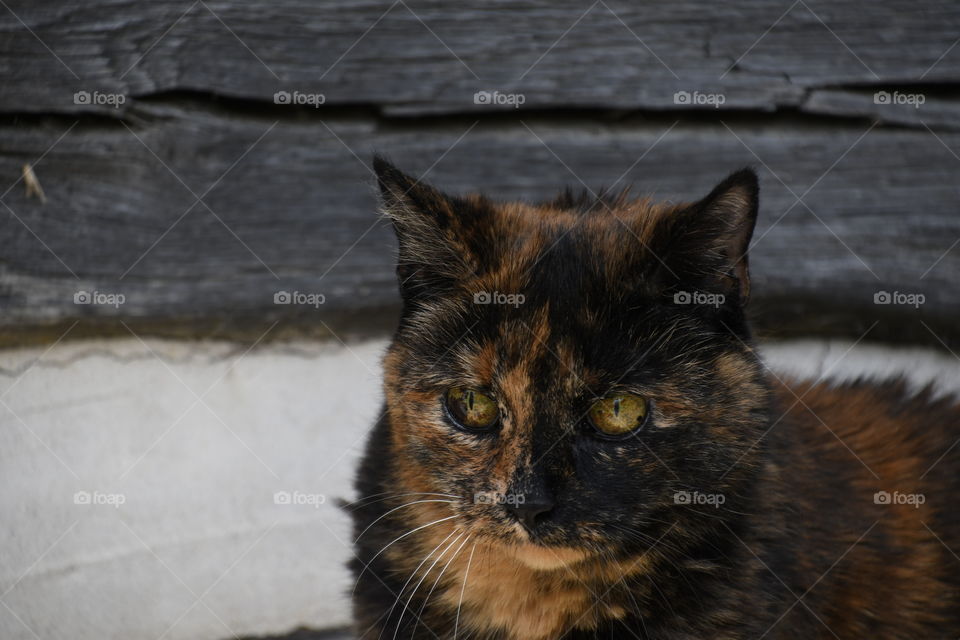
579	440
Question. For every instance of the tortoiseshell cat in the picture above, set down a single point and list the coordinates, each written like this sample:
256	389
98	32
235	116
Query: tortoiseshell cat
580	441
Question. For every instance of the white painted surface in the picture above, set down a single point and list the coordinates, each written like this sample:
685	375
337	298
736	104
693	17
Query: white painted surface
199	550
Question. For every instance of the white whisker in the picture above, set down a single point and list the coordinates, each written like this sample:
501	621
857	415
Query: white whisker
405	584
435	583
425	574
466	574
367	564
387	495
397	508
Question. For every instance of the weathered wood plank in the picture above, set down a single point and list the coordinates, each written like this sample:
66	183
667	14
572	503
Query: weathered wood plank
907	106
296	212
432	56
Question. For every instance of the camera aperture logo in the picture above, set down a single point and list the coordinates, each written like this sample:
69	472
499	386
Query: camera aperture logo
897	498
299	498
900	298
297	297
697	498
299	99
913	99
97	498
699	297
496	297
99	99
698	99
499	99
493	497
102	298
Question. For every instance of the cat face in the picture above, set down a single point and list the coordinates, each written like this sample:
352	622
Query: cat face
575	375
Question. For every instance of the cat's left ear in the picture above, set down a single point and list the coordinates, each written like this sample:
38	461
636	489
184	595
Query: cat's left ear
710	238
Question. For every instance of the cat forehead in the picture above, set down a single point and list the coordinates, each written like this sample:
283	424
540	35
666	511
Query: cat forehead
547	330
549	270
568	239
593	214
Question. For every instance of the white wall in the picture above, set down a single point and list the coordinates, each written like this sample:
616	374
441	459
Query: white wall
197	438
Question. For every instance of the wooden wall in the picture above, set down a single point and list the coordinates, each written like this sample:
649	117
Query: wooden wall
174	175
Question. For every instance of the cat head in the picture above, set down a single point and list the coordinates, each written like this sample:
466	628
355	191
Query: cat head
578	374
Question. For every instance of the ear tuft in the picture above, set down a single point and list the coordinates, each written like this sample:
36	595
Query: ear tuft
391	180
737	197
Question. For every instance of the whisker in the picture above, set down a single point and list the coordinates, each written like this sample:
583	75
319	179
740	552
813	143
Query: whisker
367	565
664	557
435	583
466	574
648	539
425	574
407	583
382	616
636	605
397	508
663	597
387	495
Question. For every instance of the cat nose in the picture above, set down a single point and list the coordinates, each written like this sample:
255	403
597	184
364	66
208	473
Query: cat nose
529	510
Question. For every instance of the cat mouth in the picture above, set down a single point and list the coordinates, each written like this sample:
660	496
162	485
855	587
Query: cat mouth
546	558
535	549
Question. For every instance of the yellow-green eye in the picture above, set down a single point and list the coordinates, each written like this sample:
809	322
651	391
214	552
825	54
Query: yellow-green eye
471	409
619	414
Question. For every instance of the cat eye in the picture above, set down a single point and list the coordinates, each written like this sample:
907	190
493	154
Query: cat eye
619	415
471	409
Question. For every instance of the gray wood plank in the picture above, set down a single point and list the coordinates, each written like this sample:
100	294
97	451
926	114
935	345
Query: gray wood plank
429	56
295	212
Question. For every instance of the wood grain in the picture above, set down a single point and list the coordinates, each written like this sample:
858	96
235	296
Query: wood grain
198	197
416	57
289	206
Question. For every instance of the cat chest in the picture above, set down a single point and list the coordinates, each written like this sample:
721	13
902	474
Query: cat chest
501	595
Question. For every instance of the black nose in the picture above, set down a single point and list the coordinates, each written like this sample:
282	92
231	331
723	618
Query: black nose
530	510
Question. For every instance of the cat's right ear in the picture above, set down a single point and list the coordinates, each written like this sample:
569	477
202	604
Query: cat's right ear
435	253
